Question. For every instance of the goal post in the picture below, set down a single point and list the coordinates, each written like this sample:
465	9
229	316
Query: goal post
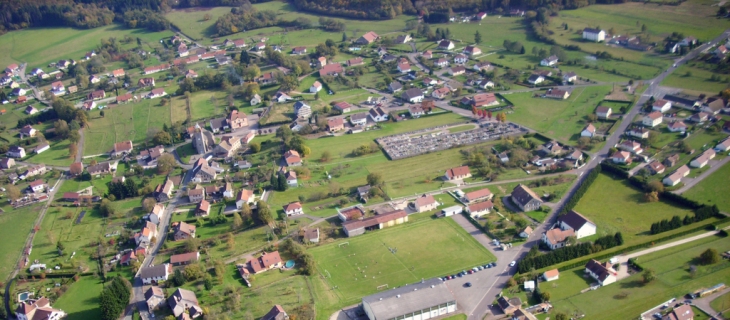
328	274
382	287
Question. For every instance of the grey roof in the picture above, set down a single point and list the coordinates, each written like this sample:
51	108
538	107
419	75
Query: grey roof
218	123
359	116
395	85
152	272
412	93
409	298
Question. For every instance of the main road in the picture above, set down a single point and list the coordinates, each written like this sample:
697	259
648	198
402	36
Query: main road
496	283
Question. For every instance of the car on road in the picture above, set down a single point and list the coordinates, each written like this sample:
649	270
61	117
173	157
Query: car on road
513	263
467	285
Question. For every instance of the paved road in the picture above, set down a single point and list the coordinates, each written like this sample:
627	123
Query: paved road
704	303
691	182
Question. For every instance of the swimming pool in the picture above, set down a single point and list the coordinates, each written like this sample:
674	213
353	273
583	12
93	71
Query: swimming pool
289	264
24	296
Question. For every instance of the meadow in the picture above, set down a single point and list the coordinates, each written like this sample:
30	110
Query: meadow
17	224
40	46
560	119
81	301
192	23
695	80
713	190
391	257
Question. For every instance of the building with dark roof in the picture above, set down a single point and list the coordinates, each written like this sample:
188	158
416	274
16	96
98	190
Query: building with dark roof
602	272
579	223
525	198
426	299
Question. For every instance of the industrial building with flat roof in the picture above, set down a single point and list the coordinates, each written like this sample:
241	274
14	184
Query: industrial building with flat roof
419	301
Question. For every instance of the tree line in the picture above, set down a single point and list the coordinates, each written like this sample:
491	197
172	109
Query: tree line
535	260
114	298
703	213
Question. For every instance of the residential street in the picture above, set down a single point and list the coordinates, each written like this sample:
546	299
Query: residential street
691	182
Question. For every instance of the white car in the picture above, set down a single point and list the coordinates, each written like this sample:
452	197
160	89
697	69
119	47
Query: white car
513	263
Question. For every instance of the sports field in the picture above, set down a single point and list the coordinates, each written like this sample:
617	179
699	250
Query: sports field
356	267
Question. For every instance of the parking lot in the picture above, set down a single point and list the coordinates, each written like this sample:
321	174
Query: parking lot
481	281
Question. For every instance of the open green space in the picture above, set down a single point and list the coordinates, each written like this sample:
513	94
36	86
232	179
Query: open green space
695	79
192	21
40	46
721	303
355	267
560	119
615	206
56	155
713	190
17	224
81	301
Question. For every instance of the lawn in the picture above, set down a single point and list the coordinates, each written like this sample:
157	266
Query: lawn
81	301
56	155
366	265
721	303
17	225
560	119
192	23
713	189
695	79
40	46
613	205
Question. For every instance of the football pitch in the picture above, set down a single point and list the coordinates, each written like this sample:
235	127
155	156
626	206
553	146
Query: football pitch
384	259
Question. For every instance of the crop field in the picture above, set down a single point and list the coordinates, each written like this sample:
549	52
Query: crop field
613	205
713	190
391	257
561	119
40	46
17	225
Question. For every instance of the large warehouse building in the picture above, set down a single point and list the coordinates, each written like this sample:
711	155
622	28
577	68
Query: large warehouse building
420	301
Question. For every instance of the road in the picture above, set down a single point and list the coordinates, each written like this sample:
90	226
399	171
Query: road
691	182
498	282
704	304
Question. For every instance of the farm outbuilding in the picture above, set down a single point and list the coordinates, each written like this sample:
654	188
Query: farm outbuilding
450	211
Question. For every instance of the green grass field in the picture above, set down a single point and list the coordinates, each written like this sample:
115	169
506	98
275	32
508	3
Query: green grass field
694	79
560	119
713	189
40	46
721	303
191	21
57	155
358	268
613	205
81	301
17	224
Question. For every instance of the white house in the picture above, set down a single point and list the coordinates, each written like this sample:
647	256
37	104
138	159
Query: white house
674	178
677	126
359	119
594	35
450	211
244	196
652	119
661	105
413	95
603	273
256	99
461	59
16	152
570	77
551	275
378	114
557	238
549	61
294	208
480	208
535	79
603	112
621	157
588	131
316	87
723	146
579	223
702	159
156	274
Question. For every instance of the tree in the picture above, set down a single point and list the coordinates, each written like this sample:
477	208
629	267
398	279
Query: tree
244	58
60	247
13	192
162	138
656	186
165	163
72	150
375	179
61	128
255	147
477	37
651	196
511	282
208	282
648	275
709	256
191	245
545	296
561	316
264	213
178	279
237	222
148	204
326	156
344	36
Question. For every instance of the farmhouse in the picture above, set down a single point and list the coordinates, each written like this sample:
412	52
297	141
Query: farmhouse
652	119
525	198
603	112
423	300
602	272
122	148
357	227
182	231
458	173
702	159
594	35
480	208
155	274
677	126
661	105
425	203
588	131
184	304
674	178
293	209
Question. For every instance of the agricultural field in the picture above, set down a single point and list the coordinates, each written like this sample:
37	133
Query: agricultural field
365	265
560	119
40	46
17	225
713	190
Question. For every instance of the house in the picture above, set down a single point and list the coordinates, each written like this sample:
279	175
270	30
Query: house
378	114
354	62
184	258
688	41
395	86
413	95
525	198
535	79
721	51
259	46
335	124
702	159
652	119
557	238
299	50
401	39
446	45
357	227
526	232
342	106
661	105
579	223
699	117
588	131
570	77
73	89
480	208
124	98
482	65
122	148
302	110
182	231
367	38
255	100
156	274
440	93
723	146
559	94
641	133
156	93
480	16
509	306
441	62
677	126
682	312
293	209
359	119
118	73
156	214
163	192
621	157
191	74
321	62
27	131
484	99
484	84
12	68
428	54
331	70
37	186
94	79
674	178
549	61
292	158
670	161
277	312
146	82
265	262
316	87
30	110
89	105
656	167
630	146
460	59
425	203
404	67
38	309
202	209
244	196
478	195
96	95
267	79
595	35
714	107
415	111
184	304
16	152
7	163
601	272
291	178
196	194
43	146
457	173
154	297
458	70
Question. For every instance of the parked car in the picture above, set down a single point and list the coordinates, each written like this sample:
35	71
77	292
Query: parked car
467	285
513	263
